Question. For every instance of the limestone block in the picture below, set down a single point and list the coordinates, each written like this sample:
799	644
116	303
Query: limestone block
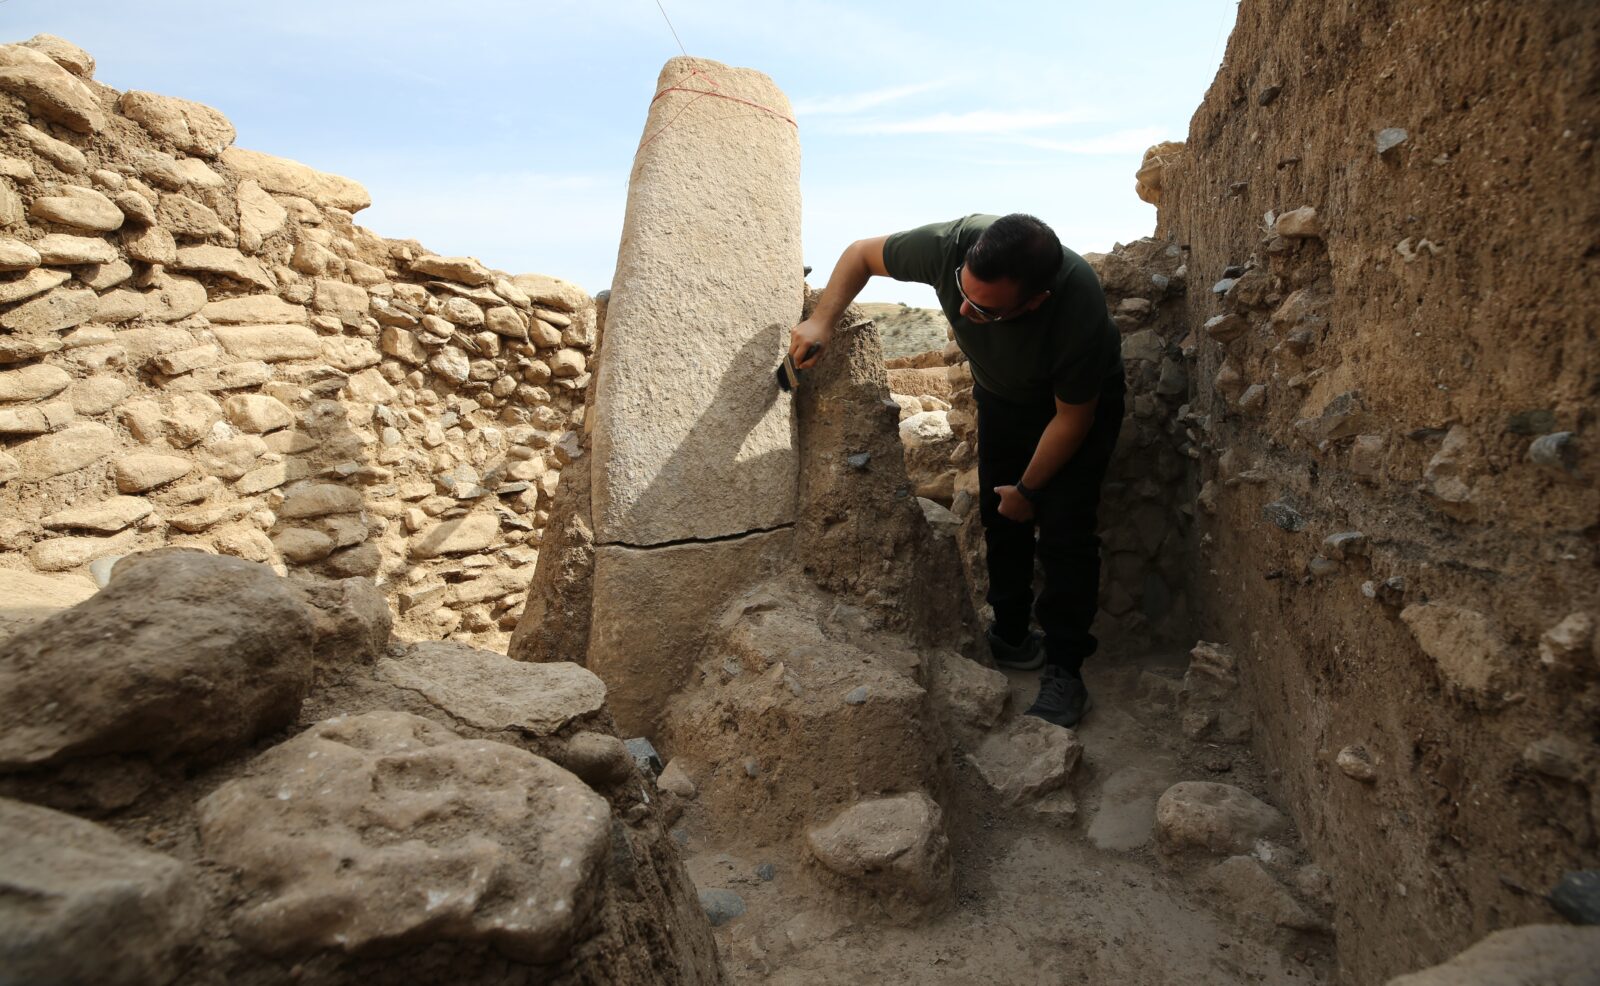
107	516
671	597
302	546
926	428
188	126
1466	647
498	846
257	413
186	218
338	297
51	92
462	312
66	249
260	216
81	905
463	535
567	363
226	261
490	691
199	174
58	152
83	208
215	650
1220	818
552	292
690	435
350	354
466	270
506	321
144	471
893	845
269	343
254	309
135	207
63	554
17	255
68	450
186	360
152	245
32	283
98	394
60	309
1027	760
319	500
33	383
362	560
1532	955
277	174
370	387
452	364
544	334
403	345
1299	223
64	53
27	598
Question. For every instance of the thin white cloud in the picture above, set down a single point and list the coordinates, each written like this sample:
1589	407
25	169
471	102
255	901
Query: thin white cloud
856	102
976	122
1134	141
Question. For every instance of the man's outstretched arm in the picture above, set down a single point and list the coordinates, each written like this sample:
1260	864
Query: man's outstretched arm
859	262
1062	438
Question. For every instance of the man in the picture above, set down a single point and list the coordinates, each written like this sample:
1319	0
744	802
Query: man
1047	368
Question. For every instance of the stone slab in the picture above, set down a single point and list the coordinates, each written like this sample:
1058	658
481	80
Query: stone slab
691	435
652	611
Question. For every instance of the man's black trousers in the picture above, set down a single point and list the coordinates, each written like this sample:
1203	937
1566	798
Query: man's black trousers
1065	519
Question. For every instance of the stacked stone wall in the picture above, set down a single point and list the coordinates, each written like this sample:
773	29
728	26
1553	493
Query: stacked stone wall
199	347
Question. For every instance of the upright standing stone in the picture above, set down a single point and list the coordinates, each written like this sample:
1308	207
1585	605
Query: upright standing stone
691	438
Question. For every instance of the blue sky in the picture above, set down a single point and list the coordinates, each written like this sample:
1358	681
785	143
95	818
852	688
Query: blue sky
506	130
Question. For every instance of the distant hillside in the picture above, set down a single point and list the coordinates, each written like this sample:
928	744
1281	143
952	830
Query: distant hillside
906	330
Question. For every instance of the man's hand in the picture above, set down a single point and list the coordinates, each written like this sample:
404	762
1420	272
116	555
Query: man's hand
1013	505
805	335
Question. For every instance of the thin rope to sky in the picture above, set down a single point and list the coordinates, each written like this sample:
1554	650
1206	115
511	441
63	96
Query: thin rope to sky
663	17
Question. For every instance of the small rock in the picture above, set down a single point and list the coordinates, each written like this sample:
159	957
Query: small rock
1576	896
645	756
1266	96
1391	137
721	906
1560	757
1244	889
1299	223
1285	516
675	778
894	845
1568	644
1357	764
766	872
1467	650
1029	759
1220	818
857	695
1557	452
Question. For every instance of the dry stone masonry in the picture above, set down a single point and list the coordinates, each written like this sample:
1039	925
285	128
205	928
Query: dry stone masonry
199	347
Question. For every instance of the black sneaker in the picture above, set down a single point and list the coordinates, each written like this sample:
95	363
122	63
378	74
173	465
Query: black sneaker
1063	698
1026	656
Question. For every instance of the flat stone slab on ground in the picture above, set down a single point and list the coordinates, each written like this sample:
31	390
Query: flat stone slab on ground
1220	818
1028	759
490	691
894	844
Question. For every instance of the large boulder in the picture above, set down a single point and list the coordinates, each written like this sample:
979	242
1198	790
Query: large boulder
80	905
286	177
50	91
385	829
182	654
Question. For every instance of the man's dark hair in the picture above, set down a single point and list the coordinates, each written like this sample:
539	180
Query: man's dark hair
1018	247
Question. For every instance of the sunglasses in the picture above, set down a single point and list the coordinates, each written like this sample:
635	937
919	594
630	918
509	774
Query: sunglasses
984	314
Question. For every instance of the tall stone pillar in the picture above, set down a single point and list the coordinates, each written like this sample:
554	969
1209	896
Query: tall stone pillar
693	469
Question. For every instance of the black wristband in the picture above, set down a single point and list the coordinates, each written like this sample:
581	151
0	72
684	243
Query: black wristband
1032	496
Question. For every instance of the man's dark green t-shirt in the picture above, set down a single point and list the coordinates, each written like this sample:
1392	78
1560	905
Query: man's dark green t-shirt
1068	347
